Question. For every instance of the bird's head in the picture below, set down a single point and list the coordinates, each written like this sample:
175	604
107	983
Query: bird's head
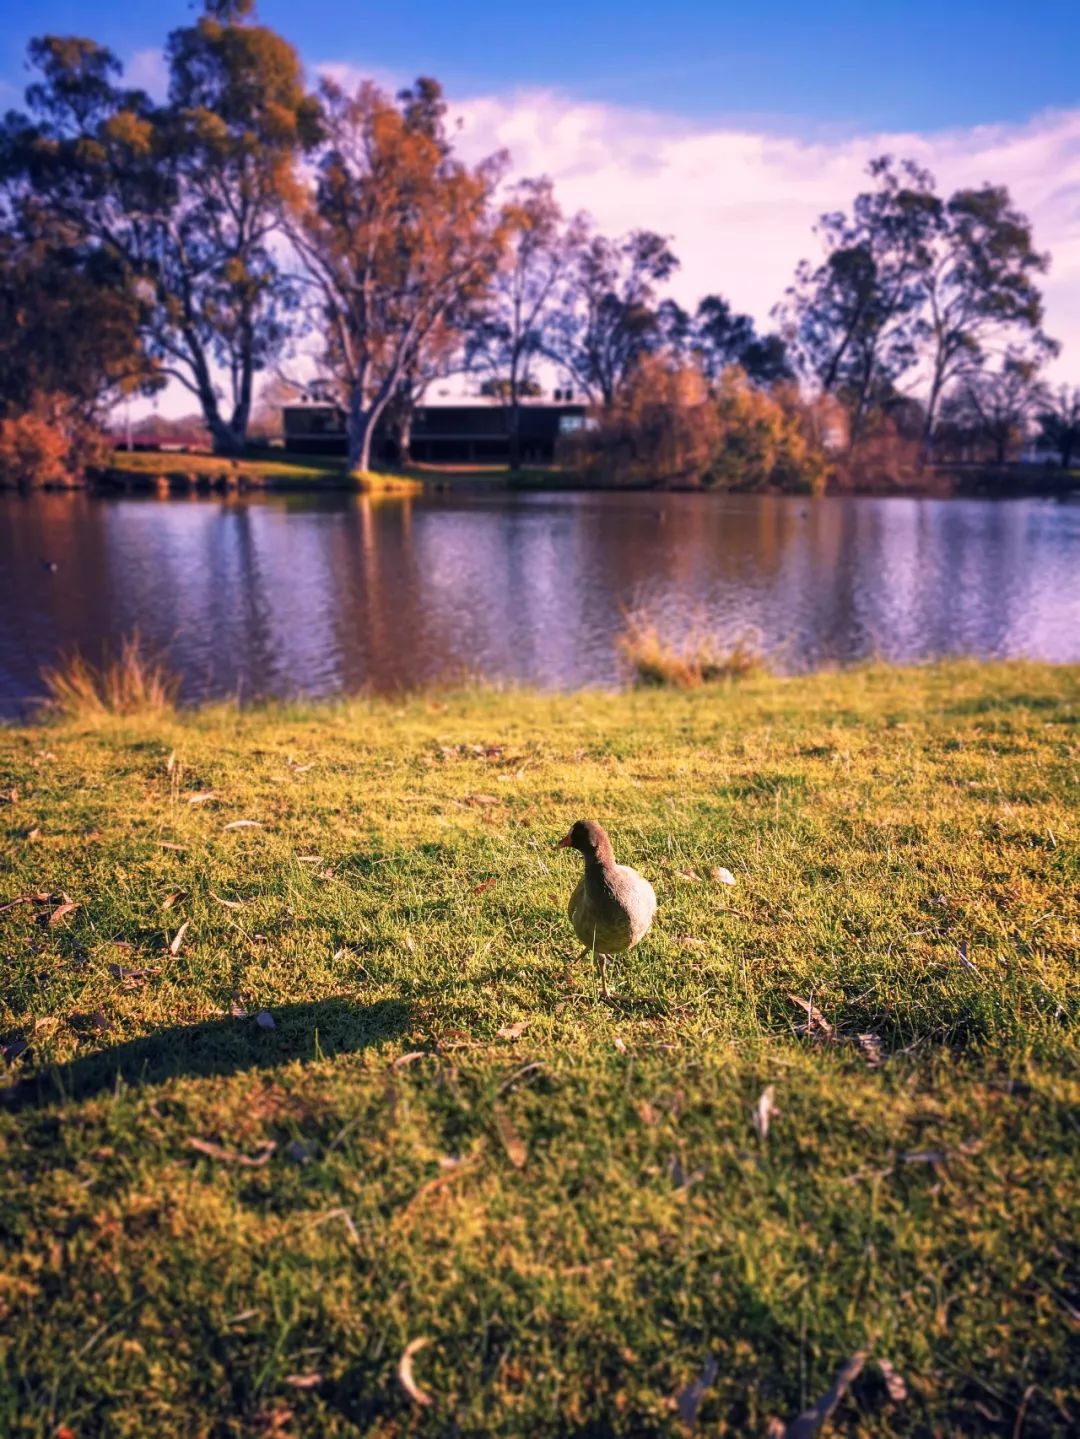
589	839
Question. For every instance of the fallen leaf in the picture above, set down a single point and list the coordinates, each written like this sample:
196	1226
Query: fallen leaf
511	1140
177	897
480	799
303	1381
410	1058
484	885
405	1373
512	1031
120	971
812	1419
893	1381
60	911
245	824
228	903
962	954
178	937
237	1010
722	875
34	833
309	858
647	1113
265	1020
39	898
691	1397
815	1018
872	1051
690	874
10	796
764	1111
619	1043
233	1156
166	844
202	797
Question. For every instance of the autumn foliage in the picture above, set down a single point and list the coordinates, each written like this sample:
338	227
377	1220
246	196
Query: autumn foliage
672	427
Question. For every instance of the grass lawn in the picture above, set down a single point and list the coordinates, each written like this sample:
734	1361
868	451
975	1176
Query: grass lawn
438	1141
172	463
281	471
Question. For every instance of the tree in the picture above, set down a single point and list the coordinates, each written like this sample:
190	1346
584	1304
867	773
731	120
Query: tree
852	320
397	233
69	322
978	290
1059	424
185	197
994	407
767	438
507	337
715	337
610	321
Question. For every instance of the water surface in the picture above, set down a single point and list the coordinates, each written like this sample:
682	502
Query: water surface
315	595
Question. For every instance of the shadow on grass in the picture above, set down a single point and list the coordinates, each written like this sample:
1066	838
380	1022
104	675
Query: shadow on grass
318	1030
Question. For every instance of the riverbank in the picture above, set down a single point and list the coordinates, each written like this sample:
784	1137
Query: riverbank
173	472
381	1160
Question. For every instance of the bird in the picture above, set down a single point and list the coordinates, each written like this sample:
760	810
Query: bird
613	906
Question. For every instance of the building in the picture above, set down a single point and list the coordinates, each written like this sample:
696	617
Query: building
444	431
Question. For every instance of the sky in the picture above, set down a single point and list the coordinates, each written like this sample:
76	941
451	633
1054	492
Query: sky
729	127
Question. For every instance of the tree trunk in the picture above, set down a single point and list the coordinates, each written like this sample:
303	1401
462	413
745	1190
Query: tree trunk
405	436
361	428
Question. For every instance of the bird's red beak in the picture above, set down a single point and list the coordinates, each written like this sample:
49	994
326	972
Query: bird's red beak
564	843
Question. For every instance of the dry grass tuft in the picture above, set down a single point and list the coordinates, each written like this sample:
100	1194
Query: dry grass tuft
135	682
695	660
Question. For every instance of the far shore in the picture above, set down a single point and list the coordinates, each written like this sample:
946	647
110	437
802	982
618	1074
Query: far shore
169	473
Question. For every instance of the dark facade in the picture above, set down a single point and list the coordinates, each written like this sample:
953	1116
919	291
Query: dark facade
456	434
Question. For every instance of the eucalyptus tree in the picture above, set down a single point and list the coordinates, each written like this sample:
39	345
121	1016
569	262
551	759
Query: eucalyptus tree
980	299
716	337
185	197
852	321
610	319
1059	424
395	235
507	334
995	406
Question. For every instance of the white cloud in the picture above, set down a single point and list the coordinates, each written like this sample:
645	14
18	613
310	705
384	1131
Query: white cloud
740	203
147	70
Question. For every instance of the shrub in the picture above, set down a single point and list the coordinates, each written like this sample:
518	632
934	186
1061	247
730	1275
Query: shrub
768	439
49	444
135	682
695	660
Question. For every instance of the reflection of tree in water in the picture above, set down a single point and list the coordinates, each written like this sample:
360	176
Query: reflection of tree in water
341	592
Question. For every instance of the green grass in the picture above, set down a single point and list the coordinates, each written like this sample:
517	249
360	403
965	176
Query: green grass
272	466
577	1214
275	469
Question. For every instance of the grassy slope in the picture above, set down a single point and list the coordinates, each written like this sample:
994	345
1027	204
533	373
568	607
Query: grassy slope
170	463
926	1210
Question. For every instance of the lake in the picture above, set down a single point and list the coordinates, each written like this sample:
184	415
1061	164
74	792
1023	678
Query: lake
312	595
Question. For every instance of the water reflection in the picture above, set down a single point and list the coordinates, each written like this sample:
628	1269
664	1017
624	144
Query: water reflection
320	594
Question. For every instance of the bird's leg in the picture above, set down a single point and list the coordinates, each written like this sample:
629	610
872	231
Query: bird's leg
603	976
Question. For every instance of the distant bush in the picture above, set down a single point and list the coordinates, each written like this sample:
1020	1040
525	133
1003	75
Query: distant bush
696	659
671	427
769	439
49	444
132	683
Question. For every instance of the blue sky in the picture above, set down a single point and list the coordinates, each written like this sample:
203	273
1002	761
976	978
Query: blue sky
923	64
